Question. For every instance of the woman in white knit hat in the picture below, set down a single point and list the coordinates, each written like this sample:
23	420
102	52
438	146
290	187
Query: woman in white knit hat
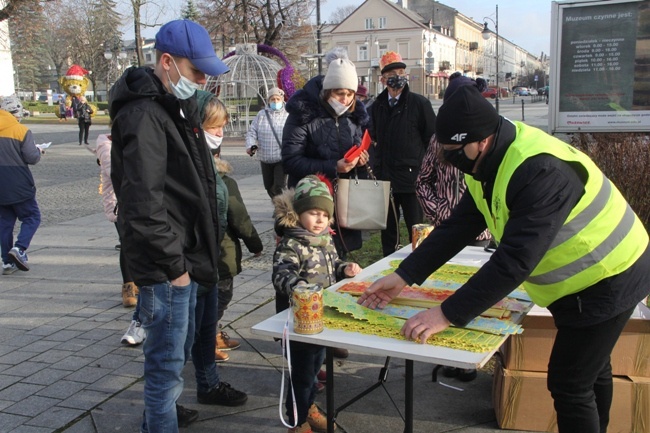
324	122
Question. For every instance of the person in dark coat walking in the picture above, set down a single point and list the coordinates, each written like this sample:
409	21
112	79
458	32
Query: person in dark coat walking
84	113
401	123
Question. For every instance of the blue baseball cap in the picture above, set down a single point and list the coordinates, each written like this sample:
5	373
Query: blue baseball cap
185	38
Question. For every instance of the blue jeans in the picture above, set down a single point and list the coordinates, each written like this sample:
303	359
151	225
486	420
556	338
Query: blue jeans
29	215
167	314
306	361
205	369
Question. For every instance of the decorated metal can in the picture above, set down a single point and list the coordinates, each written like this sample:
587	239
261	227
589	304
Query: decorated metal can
419	233
307	304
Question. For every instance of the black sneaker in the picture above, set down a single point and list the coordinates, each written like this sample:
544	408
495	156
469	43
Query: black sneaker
186	416
223	395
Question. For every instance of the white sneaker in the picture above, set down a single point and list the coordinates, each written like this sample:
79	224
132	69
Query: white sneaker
8	268
135	334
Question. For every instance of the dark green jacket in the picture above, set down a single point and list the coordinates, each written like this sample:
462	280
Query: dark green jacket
239	227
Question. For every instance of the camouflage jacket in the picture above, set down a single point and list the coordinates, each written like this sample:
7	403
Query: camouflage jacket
302	257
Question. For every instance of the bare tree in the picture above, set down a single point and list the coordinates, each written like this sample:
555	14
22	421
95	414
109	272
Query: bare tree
278	23
146	13
341	13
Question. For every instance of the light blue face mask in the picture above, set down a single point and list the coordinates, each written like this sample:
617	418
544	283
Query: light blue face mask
185	88
276	106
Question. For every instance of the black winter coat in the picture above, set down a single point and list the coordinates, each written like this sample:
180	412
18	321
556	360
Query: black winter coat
164	180
402	134
314	139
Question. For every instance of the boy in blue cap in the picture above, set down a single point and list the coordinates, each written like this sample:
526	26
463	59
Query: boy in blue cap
164	181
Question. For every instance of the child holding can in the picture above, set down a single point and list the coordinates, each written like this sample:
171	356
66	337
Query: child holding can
305	255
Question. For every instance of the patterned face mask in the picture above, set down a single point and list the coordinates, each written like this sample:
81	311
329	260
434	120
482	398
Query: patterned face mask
396	82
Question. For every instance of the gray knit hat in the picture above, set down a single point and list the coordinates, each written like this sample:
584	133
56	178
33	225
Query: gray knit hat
275	91
341	72
313	193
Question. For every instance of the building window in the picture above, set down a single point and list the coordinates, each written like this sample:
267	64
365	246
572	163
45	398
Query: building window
382	49
382	22
148	58
403	49
369	24
362	53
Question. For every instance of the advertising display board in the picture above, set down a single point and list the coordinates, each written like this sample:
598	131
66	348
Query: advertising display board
600	66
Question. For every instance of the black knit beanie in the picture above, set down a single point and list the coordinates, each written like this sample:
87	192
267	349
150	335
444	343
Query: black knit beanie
465	117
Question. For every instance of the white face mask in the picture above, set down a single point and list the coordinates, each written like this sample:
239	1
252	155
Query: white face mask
214	141
338	107
185	88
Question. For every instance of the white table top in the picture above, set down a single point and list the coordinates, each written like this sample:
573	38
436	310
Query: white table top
383	346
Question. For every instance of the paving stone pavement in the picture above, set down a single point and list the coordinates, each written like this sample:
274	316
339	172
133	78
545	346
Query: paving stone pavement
63	369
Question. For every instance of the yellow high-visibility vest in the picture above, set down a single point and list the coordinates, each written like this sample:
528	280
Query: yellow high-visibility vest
601	237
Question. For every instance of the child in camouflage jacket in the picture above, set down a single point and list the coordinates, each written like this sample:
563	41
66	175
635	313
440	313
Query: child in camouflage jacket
306	255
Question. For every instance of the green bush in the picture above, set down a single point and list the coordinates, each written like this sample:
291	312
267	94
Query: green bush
625	159
102	105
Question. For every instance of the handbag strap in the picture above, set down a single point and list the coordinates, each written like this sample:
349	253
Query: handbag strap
372	176
275	134
392	205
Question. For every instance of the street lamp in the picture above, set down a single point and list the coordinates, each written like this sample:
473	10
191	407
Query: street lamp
369	42
486	35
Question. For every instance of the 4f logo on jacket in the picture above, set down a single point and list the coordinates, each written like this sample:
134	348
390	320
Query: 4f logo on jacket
459	137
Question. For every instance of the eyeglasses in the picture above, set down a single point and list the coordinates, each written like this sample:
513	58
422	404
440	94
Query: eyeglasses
387	76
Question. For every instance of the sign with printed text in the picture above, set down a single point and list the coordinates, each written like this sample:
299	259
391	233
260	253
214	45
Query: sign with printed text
600	66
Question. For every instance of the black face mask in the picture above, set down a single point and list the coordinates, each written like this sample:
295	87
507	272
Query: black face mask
458	159
396	82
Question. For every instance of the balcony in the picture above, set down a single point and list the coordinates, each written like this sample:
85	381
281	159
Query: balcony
445	65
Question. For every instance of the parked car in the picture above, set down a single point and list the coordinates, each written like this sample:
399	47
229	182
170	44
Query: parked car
490	92
533	92
521	91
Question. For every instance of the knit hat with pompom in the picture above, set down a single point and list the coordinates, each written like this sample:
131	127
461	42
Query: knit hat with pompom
313	192
341	72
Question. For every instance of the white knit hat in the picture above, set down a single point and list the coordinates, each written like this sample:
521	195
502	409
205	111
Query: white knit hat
341	72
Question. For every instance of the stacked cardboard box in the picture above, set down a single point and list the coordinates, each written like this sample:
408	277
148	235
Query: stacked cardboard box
522	402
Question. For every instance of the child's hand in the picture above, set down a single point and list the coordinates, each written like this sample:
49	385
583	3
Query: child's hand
352	269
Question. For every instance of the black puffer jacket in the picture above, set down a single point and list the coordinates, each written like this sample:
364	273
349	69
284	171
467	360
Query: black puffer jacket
314	139
164	180
402	134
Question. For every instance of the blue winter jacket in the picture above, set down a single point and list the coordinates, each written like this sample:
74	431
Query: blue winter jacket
17	151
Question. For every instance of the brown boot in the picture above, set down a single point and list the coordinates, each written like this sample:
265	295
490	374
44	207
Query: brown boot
129	294
317	419
224	342
220	356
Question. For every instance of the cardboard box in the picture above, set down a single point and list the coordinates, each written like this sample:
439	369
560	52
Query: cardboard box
522	402
531	350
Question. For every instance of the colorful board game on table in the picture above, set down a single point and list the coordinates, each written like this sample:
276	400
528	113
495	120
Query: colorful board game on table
481	335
